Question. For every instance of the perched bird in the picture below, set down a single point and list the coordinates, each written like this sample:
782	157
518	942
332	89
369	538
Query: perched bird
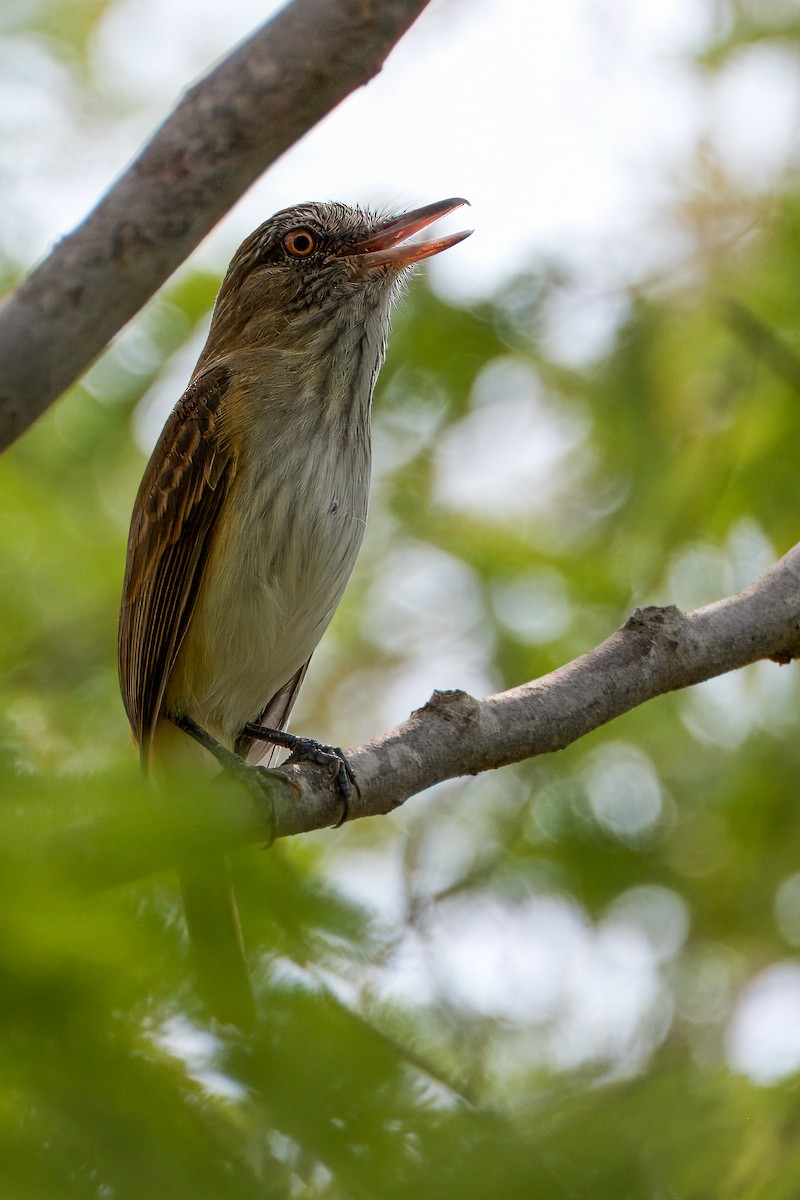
252	508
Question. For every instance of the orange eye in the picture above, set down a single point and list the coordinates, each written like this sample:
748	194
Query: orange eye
300	242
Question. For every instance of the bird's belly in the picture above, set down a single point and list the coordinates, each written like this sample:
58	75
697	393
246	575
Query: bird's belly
271	586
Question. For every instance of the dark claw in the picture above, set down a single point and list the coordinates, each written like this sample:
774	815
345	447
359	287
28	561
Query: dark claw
308	750
341	773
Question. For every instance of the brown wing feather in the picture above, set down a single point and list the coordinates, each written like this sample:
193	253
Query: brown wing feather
173	523
274	716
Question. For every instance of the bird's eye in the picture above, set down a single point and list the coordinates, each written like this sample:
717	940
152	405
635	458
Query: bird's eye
300	243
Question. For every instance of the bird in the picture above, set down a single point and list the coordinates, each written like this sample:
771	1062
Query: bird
252	509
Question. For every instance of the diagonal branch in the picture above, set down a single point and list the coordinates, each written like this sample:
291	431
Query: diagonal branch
225	131
658	650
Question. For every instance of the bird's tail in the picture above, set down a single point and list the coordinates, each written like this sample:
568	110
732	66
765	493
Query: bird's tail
212	918
215	936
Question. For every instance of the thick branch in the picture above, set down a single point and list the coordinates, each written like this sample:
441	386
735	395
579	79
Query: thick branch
221	136
658	650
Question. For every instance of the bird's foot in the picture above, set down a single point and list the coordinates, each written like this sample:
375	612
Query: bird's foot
304	749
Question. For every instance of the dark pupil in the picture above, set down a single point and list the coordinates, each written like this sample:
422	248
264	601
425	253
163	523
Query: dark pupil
301	242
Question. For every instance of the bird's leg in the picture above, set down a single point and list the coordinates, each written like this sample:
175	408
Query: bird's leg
250	776
308	750
226	758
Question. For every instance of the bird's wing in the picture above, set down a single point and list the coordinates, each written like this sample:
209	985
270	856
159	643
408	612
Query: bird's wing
179	500
275	716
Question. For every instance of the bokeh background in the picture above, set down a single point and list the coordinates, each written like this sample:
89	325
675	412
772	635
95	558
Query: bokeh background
577	977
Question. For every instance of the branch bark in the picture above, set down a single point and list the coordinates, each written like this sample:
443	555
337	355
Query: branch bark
658	650
224	132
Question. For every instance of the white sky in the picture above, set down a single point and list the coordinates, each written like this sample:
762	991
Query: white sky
571	127
567	126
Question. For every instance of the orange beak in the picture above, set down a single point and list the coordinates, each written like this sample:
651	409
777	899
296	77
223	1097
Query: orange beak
384	248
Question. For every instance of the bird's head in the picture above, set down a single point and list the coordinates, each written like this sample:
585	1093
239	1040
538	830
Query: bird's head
320	267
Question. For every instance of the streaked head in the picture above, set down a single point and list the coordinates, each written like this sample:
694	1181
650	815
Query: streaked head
316	262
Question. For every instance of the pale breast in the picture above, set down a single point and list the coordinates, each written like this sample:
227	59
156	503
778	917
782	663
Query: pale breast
285	548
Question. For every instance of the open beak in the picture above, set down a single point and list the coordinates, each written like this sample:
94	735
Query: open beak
387	247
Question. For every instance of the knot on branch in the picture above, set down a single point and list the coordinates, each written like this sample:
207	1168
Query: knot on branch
659	621
452	705
784	657
658	616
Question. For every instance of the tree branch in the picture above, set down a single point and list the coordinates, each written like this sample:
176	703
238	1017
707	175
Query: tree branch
224	132
658	650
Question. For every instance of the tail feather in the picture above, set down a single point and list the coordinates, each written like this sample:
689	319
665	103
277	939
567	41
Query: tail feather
216	942
212	919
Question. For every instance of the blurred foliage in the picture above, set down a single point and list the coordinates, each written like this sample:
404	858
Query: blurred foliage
748	22
535	983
